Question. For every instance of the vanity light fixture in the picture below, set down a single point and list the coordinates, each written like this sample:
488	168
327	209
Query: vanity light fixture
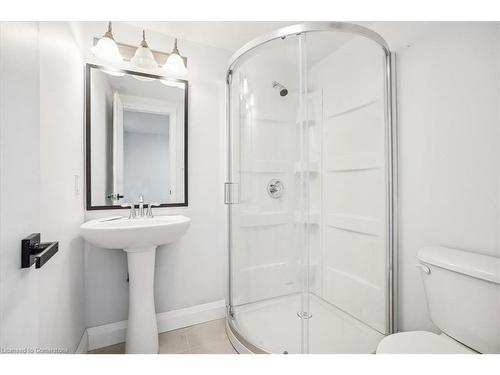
175	62
106	48
143	57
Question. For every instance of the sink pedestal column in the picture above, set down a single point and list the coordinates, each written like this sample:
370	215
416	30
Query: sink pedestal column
142	330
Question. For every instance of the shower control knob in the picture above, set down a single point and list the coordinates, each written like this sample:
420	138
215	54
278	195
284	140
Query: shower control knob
275	188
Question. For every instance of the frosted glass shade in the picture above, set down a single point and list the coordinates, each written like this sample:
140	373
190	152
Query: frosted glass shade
175	64
107	50
144	58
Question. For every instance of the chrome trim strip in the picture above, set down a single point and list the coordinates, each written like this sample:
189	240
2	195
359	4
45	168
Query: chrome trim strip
394	250
229	179
389	190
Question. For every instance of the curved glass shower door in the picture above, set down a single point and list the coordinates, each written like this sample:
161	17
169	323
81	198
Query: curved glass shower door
309	194
266	242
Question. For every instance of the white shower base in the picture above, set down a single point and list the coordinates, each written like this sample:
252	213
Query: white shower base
273	325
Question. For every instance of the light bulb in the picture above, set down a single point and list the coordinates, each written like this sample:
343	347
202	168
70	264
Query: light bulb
175	63
106	48
143	57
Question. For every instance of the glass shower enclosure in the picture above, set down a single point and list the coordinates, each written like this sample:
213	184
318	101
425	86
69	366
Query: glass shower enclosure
310	191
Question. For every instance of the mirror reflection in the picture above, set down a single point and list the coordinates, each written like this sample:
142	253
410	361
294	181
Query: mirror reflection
136	126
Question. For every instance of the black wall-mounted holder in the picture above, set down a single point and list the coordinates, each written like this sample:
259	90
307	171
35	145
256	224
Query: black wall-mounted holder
35	252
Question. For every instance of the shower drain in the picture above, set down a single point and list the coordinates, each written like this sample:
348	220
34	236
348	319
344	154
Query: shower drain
304	315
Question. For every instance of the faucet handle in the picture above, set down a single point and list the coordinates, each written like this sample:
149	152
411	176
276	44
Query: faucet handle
131	215
150	208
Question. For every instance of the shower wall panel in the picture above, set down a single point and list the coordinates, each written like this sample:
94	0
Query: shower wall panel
353	244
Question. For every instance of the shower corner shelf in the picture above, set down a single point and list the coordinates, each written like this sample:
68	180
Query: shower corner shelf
312	219
306	122
303	167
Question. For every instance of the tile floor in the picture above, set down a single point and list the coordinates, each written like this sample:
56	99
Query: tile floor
205	338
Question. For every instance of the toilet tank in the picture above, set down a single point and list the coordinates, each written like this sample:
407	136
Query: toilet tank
463	295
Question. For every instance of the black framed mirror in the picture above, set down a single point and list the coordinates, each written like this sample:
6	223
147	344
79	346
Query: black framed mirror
135	139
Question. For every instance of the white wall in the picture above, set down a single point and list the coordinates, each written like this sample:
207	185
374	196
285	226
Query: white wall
190	271
448	95
61	203
40	105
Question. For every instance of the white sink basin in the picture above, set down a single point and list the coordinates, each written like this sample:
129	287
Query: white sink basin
139	239
134	234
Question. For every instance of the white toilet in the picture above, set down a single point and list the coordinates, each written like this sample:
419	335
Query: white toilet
463	295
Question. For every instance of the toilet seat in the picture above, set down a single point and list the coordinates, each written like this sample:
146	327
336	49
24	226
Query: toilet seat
420	342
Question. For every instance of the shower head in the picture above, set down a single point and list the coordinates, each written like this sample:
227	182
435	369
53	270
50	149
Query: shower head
279	86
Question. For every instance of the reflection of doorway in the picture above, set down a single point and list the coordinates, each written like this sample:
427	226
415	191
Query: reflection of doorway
144	150
146	156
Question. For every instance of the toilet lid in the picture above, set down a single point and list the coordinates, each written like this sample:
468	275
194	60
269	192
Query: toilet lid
420	342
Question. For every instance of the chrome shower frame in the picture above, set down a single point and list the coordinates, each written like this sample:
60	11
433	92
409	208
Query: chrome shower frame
242	344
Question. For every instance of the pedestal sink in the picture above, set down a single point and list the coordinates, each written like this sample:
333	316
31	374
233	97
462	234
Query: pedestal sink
139	239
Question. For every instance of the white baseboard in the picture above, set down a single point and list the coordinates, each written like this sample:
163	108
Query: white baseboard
114	333
83	346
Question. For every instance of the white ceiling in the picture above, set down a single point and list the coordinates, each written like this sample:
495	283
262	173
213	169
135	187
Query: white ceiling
220	34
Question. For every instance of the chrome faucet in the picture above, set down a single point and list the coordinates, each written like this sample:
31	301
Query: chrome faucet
132	214
150	208
141	206
141	211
